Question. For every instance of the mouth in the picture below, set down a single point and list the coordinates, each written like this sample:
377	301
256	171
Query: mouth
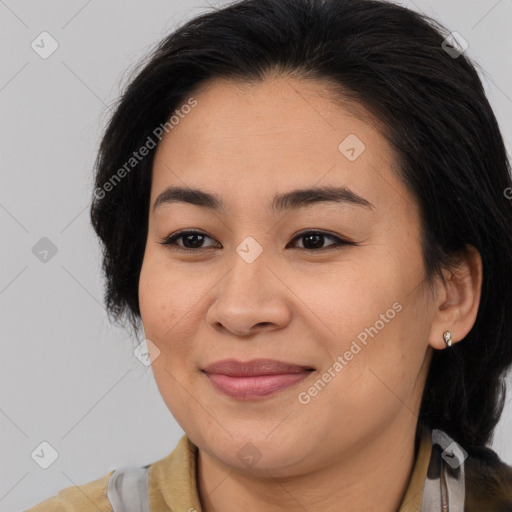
254	379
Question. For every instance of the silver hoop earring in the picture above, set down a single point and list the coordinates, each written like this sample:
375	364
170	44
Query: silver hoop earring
448	338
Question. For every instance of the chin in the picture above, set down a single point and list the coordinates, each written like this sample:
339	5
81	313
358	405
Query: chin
257	452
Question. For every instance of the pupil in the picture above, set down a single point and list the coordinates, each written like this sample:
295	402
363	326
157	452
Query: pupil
318	239
186	238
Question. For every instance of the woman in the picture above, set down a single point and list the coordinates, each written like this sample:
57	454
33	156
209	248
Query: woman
364	372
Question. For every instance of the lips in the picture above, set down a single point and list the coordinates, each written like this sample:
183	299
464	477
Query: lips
254	368
254	379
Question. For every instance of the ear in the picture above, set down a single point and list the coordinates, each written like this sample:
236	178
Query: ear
457	298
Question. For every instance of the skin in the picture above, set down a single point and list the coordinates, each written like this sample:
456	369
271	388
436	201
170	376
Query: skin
351	447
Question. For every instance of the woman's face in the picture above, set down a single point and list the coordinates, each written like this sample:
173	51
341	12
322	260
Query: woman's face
359	313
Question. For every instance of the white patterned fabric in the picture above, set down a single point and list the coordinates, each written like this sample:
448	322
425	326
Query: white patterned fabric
128	489
445	486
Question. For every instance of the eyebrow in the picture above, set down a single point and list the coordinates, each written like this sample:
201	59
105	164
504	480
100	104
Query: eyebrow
293	199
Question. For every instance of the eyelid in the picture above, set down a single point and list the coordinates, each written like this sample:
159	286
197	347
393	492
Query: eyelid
175	236
326	234
340	241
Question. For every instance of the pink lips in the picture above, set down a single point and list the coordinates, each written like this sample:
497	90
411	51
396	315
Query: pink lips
254	379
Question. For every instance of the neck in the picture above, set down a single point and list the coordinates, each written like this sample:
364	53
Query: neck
377	474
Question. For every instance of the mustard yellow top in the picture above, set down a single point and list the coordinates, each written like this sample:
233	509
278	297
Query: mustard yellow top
172	485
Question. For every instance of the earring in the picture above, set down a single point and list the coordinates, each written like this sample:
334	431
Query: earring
448	338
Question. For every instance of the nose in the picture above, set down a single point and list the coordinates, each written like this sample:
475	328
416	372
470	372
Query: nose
250	298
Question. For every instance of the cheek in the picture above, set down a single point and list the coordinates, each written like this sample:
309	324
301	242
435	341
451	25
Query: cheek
370	320
161	310
155	303
166	303
164	307
384	375
346	301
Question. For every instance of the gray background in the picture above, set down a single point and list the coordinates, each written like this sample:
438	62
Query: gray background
68	376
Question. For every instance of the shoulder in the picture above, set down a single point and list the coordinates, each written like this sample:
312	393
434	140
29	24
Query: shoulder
169	479
488	481
91	496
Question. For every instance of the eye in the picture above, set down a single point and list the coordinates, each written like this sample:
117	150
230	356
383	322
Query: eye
196	238
314	239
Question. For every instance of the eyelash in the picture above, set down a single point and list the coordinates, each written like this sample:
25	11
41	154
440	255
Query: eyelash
169	241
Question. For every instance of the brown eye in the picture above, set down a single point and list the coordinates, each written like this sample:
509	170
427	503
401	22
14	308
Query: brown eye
192	241
313	241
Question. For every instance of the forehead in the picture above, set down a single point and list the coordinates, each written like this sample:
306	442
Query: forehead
271	136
